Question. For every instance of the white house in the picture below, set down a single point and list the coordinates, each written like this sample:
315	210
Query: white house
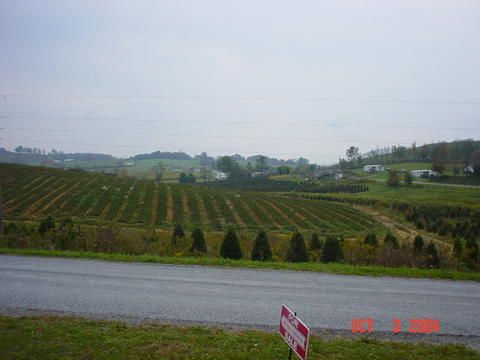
221	176
257	174
373	168
424	173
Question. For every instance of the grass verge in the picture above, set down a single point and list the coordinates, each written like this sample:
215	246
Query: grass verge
74	338
334	268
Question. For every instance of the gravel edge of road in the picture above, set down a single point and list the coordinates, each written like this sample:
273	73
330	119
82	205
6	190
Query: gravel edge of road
470	341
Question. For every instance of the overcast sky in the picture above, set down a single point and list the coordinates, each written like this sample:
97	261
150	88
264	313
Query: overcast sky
238	76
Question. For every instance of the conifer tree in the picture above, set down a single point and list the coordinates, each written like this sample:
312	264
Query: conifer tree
433	260
178	232
458	247
332	250
315	243
391	240
261	248
418	245
46	225
371	239
230	248
297	251
198	241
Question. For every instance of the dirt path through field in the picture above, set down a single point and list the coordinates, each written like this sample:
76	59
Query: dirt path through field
401	230
169	206
153	216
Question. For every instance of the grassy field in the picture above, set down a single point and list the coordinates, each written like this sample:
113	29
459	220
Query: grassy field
34	192
421	194
333	268
74	338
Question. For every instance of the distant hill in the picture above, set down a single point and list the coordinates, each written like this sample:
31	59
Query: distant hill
28	156
163	155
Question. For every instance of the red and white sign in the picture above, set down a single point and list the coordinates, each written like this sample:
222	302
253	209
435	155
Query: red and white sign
294	332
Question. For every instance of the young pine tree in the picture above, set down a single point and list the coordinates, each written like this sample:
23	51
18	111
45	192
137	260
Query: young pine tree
297	252
46	225
230	248
315	243
178	232
418	245
261	248
332	250
457	247
198	241
391	240
371	239
433	260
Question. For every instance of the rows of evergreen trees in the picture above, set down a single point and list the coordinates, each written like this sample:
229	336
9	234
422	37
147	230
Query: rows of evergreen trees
65	235
330	251
265	184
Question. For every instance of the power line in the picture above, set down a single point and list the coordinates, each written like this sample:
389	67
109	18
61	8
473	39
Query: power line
6	95
316	140
243	122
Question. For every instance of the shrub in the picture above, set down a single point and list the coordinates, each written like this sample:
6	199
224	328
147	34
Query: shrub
418	245
230	248
432	258
390	240
261	248
297	251
178	232
332	250
315	243
198	241
371	239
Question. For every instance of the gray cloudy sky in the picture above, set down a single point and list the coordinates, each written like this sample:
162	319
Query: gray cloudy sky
266	57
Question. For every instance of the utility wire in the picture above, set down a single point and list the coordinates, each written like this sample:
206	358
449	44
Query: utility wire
274	123
7	94
316	140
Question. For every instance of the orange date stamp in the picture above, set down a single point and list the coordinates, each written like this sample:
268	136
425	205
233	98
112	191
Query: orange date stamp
413	326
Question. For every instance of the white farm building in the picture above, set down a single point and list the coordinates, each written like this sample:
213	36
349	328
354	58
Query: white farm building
424	173
373	168
221	176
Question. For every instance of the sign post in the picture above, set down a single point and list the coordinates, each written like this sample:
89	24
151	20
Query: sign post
294	332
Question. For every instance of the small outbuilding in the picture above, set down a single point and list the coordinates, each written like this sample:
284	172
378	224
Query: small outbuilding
424	173
370	169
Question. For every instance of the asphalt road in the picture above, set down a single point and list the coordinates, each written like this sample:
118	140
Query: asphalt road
231	296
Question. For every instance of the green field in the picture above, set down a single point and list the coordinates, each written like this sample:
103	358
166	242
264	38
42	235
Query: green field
420	194
74	338
31	193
